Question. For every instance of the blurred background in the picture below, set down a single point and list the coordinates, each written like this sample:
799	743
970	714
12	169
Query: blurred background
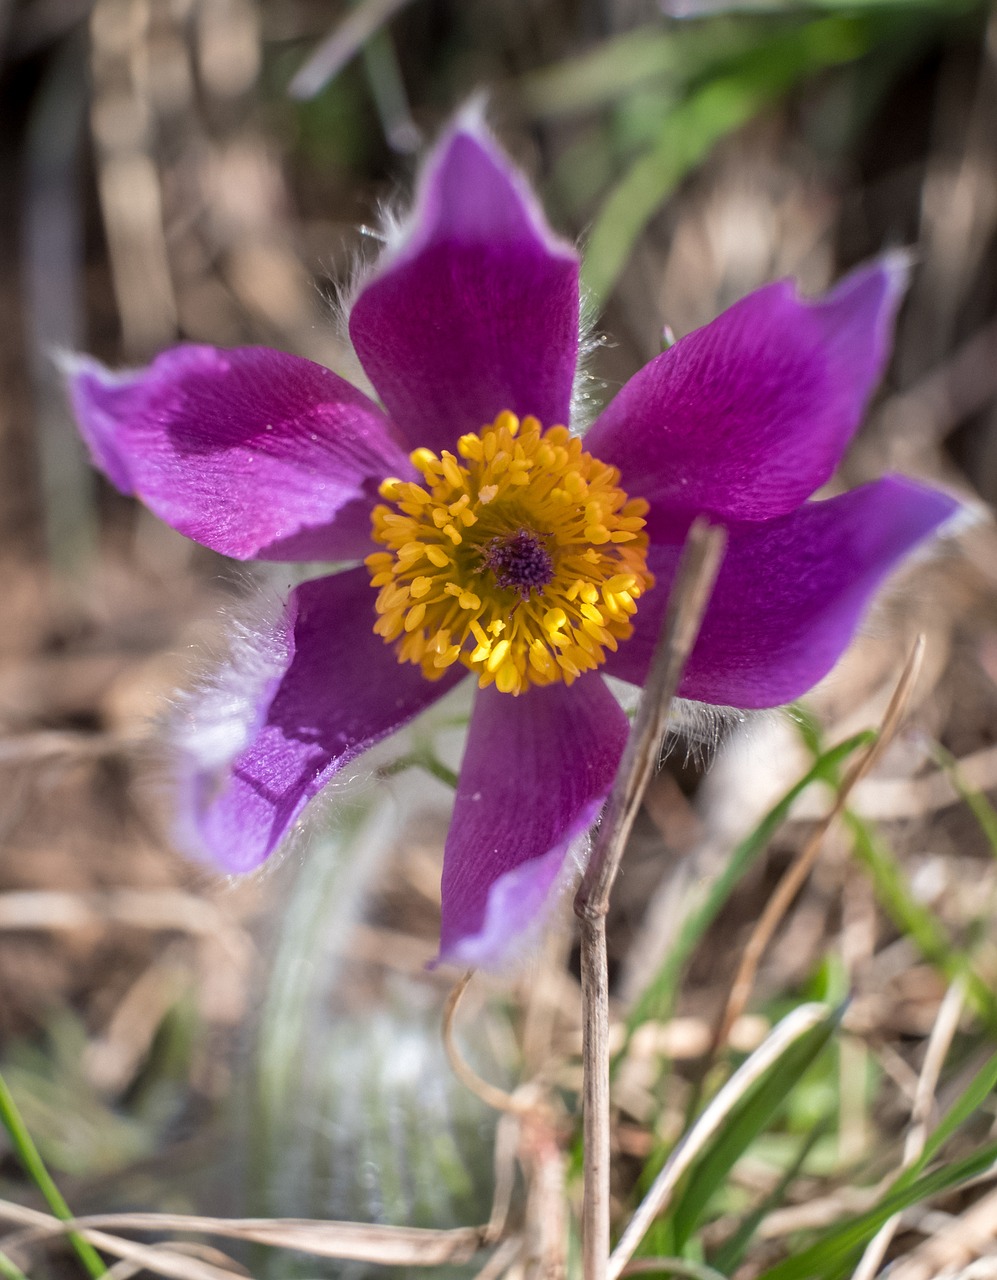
213	170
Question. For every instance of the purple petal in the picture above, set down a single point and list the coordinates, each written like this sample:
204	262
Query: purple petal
476	310
331	689
747	417
536	771
251	452
790	593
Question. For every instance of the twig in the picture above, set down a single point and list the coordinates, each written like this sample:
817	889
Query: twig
686	605
802	1019
501	1260
356	1241
790	884
489	1094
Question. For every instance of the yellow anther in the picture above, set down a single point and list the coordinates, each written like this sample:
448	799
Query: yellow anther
507	679
519	557
424	459
451	471
497	655
469	446
414	617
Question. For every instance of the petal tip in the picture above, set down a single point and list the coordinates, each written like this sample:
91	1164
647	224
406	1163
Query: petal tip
470	189
98	398
520	904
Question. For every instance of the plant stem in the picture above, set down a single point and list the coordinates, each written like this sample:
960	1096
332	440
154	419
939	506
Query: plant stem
686	605
13	1122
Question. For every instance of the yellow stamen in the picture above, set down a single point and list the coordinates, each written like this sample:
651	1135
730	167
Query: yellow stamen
518	556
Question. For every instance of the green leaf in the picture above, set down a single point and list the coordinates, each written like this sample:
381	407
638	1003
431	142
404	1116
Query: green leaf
690	131
728	1257
915	920
657	1000
980	807
617	66
833	1254
749	1117
34	1166
830	1255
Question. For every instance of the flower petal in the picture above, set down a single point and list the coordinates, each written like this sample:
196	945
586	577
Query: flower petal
252	452
536	771
476	310
334	690
789	595
748	416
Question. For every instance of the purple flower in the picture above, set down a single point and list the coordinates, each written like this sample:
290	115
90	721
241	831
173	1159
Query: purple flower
487	538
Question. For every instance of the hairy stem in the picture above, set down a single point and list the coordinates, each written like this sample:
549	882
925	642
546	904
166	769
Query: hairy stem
690	595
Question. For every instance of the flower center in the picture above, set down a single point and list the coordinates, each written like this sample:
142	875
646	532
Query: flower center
521	561
519	556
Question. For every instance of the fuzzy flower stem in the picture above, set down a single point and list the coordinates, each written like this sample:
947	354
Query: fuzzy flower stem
23	1143
697	573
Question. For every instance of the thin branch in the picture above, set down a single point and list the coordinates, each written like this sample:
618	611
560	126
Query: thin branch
686	605
356	1241
489	1094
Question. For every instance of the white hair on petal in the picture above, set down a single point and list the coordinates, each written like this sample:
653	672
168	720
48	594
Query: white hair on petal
586	388
214	720
210	723
700	729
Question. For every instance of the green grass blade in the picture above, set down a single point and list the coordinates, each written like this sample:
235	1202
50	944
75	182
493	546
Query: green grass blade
622	63
980	807
748	1118
34	1166
9	1268
916	921
693	128
837	1246
970	1100
833	1254
730	1255
656	1000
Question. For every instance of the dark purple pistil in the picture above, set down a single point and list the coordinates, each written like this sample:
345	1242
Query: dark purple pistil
520	561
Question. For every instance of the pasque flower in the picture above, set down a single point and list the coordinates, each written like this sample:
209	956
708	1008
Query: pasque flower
487	539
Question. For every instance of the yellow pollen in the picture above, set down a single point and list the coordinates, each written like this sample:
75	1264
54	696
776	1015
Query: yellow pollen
518	556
